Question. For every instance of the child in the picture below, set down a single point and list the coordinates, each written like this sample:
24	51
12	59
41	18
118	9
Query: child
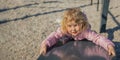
75	25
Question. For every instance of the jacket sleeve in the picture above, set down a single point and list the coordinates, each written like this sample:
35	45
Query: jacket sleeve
98	39
53	38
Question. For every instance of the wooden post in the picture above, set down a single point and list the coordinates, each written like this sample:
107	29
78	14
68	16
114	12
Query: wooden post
98	5
104	15
91	2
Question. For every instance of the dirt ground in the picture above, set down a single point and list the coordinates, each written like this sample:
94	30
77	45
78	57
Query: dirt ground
25	23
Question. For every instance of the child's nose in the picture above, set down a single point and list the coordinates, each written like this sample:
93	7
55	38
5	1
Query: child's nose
73	28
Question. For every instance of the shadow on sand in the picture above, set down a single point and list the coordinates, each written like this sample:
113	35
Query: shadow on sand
111	31
38	14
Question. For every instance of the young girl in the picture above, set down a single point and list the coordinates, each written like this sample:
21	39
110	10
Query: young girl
75	26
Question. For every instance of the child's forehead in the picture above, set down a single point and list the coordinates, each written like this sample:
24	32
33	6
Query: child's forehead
71	22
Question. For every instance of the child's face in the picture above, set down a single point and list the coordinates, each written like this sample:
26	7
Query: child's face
73	28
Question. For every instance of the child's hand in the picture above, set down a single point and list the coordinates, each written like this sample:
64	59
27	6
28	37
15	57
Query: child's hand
111	50
43	48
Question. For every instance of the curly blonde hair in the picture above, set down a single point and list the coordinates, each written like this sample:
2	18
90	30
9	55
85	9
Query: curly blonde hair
74	14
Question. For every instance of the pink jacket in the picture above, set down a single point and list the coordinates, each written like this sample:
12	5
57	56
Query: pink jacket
87	34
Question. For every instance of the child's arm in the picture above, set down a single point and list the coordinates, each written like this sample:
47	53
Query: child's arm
100	40
50	41
43	48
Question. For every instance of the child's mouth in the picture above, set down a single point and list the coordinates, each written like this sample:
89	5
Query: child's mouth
74	32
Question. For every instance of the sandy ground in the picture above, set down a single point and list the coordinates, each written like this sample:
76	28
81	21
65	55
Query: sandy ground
25	23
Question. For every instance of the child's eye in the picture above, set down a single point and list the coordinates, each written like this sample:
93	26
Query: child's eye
76	25
69	25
